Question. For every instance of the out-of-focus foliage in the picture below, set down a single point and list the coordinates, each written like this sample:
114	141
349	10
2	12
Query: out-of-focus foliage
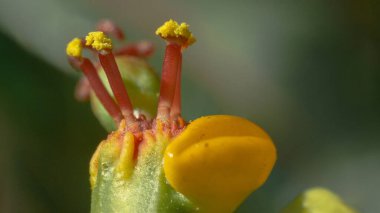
47	138
308	72
318	200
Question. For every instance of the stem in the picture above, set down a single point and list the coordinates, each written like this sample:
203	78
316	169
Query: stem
100	91
107	60
176	107
168	80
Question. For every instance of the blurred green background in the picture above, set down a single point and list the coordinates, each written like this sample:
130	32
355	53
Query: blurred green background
307	71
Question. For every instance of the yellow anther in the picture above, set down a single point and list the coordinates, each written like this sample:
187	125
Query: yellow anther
74	48
167	29
183	30
173	31
99	41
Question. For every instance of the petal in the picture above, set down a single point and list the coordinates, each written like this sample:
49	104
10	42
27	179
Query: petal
218	161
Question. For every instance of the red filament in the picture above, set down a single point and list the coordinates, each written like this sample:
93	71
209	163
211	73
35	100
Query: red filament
176	106
168	80
111	69
100	91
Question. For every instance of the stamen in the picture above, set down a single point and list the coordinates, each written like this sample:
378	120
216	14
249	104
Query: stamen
100	91
74	51
178	37
103	44
110	28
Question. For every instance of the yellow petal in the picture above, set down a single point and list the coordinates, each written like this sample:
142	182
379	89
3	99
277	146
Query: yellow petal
218	161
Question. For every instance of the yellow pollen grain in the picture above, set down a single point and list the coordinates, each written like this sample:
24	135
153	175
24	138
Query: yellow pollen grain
183	30
180	32
99	41
167	29
74	48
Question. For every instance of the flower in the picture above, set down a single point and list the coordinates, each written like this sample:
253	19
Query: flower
165	164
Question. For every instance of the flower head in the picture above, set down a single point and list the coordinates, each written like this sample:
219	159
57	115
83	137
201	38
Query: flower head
163	163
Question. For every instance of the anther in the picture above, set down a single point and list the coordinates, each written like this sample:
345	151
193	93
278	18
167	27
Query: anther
178	37
74	48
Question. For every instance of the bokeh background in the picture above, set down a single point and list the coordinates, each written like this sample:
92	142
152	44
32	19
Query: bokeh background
307	71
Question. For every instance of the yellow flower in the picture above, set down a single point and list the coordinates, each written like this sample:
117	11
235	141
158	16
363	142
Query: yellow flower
165	164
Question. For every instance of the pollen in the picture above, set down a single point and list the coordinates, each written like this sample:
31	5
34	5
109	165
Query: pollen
99	41
74	48
171	30
183	30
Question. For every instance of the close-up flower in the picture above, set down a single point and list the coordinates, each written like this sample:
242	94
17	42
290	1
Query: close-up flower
162	163
114	106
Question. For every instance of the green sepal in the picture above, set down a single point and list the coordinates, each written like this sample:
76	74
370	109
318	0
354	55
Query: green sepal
144	190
